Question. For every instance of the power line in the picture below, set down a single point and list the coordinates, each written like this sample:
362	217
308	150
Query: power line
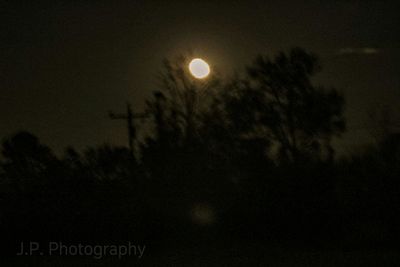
129	117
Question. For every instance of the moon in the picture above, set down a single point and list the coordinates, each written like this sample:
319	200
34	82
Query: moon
199	68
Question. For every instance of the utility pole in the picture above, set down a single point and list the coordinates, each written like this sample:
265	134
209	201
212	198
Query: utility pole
129	116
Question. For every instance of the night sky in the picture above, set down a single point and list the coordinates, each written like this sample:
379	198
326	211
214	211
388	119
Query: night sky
64	64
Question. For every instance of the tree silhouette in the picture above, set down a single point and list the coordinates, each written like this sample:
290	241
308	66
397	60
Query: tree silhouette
221	159
279	101
27	161
177	110
184	96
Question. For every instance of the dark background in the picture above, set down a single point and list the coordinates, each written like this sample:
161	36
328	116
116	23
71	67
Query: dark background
229	177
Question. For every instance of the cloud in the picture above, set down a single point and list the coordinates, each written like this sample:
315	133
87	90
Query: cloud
358	51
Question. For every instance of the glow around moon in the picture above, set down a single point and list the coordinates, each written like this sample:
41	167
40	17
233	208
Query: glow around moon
199	68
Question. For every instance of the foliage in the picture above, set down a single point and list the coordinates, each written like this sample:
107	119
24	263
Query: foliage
222	160
277	100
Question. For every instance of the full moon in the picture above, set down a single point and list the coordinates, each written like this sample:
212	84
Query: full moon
199	68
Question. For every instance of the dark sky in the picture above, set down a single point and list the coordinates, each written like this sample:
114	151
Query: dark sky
64	64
